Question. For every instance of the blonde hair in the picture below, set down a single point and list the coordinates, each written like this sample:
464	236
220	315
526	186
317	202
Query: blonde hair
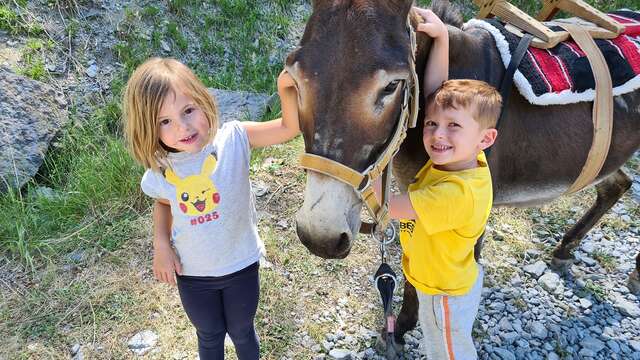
144	94
481	99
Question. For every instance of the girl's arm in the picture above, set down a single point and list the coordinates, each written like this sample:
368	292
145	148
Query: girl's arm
437	70
279	130
165	260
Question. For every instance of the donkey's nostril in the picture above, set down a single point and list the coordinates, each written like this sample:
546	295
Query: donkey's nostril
344	243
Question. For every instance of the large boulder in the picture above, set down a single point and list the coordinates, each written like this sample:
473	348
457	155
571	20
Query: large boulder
31	114
240	105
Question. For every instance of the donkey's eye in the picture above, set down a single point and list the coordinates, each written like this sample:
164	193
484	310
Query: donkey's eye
391	87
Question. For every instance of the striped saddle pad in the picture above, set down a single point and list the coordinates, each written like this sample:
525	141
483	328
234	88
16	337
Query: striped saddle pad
562	75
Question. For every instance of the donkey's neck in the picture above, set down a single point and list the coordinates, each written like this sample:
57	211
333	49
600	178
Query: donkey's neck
473	55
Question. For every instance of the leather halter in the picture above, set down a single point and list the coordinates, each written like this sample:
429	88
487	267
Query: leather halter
362	182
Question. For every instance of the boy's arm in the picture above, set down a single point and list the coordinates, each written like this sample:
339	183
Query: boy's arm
437	70
400	206
279	130
165	260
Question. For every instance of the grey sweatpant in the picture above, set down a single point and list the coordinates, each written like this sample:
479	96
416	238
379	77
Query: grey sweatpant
446	323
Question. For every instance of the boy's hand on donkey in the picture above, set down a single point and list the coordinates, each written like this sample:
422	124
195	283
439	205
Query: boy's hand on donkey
166	264
432	25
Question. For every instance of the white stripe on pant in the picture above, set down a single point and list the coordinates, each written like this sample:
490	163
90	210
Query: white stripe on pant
447	321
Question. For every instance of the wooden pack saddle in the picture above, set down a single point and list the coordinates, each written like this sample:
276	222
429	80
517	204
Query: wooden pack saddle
604	27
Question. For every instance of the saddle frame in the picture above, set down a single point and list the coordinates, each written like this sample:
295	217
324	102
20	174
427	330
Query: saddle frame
545	38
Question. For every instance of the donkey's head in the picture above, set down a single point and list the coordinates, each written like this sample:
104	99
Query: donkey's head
350	68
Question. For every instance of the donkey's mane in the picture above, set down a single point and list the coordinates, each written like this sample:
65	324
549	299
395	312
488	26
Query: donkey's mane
447	12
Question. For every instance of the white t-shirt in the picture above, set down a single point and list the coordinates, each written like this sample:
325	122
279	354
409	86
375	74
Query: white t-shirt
214	218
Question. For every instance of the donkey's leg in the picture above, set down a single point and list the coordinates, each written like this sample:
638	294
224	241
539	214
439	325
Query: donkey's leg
634	278
477	248
408	317
609	191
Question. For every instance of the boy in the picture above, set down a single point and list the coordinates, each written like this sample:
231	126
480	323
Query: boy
449	204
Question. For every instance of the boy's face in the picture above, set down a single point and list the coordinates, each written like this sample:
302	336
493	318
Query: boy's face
453	139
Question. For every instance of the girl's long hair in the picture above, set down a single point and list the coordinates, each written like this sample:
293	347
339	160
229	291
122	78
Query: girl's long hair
144	94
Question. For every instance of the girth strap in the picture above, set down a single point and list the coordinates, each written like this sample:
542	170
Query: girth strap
507	78
602	108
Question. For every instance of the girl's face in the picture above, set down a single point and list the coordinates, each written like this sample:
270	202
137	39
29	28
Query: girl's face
183	125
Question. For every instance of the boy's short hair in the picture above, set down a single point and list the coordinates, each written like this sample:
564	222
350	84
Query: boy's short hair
481	99
143	97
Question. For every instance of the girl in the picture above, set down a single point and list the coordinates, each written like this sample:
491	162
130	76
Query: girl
204	234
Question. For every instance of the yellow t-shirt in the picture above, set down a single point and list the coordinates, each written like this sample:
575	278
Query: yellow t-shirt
452	209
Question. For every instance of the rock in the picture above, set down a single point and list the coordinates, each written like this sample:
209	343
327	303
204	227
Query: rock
75	348
92	71
635	344
28	123
591	343
259	188
625	307
614	346
340	354
504	354
142	342
239	105
533	253
165	46
553	356
535	269
265	264
549	281
538	330
584	303
505	324
282	224
327	345
510	337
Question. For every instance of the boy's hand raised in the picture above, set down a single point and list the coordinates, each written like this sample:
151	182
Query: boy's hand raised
432	26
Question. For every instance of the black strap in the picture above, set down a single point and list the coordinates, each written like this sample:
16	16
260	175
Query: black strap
507	79
386	283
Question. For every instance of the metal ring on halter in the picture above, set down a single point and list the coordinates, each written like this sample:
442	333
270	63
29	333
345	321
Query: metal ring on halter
388	238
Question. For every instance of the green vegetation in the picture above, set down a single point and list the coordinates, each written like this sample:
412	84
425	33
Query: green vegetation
606	261
15	23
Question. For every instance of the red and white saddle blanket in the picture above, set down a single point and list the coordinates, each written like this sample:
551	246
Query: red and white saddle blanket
562	75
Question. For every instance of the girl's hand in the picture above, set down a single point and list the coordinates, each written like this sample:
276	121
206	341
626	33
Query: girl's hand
166	264
432	26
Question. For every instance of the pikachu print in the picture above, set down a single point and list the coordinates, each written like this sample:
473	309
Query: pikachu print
196	194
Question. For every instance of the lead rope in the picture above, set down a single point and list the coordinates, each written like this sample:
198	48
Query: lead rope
385	278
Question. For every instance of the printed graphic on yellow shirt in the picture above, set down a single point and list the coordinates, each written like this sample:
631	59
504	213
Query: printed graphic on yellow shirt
406	227
196	194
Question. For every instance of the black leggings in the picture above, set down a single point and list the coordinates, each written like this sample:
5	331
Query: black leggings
220	305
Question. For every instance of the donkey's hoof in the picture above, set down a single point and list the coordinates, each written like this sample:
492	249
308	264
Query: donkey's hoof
561	265
392	352
634	283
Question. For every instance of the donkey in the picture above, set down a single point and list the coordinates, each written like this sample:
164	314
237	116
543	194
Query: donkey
348	67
